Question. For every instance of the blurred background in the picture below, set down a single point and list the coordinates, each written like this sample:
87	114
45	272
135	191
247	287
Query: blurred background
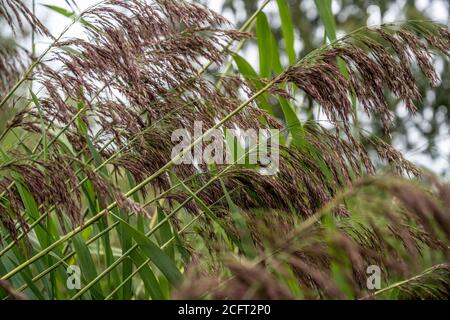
423	138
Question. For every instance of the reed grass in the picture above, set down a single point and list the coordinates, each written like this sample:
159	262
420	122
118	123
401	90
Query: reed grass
99	188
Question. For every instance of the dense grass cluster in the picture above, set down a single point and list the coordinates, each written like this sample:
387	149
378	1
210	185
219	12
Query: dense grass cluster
87	176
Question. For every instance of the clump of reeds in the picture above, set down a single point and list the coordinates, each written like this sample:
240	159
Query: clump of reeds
392	223
152	87
118	94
